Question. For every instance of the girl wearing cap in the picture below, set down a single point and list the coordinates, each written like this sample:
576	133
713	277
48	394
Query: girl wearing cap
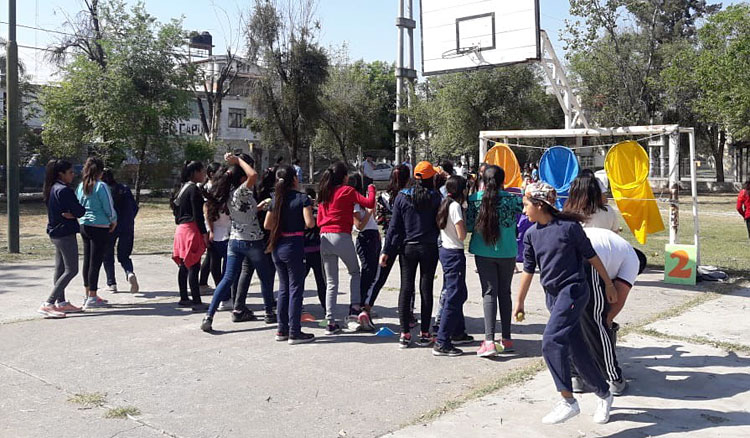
557	245
491	218
413	235
336	202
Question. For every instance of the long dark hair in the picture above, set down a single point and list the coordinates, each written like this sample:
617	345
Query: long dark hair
488	219
217	198
333	177
585	196
456	186
188	170
399	179
52	174
421	193
357	182
211	170
108	178
285	176
557	214
747	186
91	171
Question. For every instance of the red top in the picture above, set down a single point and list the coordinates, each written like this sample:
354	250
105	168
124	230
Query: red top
743	204
337	216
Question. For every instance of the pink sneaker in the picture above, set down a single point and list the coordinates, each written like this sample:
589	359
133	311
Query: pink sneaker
49	311
487	349
66	307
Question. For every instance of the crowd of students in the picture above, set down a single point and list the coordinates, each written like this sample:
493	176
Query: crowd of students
248	223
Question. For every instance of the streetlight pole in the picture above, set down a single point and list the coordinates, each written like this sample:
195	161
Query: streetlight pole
12	105
405	75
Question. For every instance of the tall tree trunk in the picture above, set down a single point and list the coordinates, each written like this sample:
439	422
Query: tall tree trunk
719	156
139	173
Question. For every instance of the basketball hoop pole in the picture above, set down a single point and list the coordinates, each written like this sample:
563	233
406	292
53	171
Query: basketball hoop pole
405	76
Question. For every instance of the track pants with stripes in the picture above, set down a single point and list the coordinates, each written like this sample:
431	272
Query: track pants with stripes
599	338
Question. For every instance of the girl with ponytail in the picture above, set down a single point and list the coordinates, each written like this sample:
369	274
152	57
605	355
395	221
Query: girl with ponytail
191	235
290	214
62	210
99	222
235	189
335	217
450	221
491	217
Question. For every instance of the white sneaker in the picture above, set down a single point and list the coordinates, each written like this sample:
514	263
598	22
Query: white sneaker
226	305
133	280
562	411
95	303
112	288
49	311
603	405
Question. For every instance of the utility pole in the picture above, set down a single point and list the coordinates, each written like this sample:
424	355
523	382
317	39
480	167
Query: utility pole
11	106
405	75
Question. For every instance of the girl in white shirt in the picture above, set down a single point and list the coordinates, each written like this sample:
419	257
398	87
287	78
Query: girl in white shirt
450	221
586	199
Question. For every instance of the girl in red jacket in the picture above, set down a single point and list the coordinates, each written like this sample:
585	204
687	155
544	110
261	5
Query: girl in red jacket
743	205
335	218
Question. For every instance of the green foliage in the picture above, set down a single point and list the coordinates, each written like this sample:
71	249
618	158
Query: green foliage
454	108
198	149
128	104
283	40
357	100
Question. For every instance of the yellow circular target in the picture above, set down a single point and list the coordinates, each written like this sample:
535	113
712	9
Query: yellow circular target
502	155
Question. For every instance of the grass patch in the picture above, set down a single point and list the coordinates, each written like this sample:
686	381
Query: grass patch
516	376
726	346
89	400
122	413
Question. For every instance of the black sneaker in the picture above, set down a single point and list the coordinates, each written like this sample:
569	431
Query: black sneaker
281	336
404	340
301	338
206	324
425	340
185	303
462	339
243	316
437	350
270	318
333	329
199	307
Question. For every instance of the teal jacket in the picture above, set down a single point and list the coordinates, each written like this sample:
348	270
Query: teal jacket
100	208
508	207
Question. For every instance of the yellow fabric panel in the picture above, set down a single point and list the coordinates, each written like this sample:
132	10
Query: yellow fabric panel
627	167
502	155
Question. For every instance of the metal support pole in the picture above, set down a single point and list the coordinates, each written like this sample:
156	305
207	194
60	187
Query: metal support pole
12	106
674	185
483	143
405	76
694	192
399	81
663	166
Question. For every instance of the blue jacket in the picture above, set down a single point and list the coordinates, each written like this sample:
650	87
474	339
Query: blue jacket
62	200
409	225
100	208
125	207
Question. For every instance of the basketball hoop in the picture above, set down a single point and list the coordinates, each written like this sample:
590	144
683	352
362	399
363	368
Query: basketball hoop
459	52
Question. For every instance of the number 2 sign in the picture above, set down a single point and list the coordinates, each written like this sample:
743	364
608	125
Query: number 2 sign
679	264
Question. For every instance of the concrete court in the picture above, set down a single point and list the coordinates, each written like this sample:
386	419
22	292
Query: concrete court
146	353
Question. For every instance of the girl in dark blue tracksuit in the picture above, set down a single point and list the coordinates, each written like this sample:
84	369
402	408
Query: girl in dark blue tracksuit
557	245
123	237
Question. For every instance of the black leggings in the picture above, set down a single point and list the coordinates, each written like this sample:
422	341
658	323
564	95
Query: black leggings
95	243
424	256
189	275
314	262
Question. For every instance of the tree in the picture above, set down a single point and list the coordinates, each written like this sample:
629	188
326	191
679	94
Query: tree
356	102
283	41
455	107
128	105
717	87
214	86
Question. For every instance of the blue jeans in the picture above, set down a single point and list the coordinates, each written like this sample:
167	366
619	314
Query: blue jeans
454	297
254	251
289	258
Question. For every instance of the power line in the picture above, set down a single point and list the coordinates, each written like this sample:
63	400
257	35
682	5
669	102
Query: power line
40	29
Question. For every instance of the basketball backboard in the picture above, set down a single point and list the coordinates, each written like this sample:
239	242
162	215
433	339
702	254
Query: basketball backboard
460	35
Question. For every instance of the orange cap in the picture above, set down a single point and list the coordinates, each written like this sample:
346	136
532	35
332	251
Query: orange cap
424	170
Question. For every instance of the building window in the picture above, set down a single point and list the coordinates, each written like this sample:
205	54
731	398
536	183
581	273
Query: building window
237	117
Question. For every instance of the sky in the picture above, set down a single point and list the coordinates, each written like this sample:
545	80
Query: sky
367	26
